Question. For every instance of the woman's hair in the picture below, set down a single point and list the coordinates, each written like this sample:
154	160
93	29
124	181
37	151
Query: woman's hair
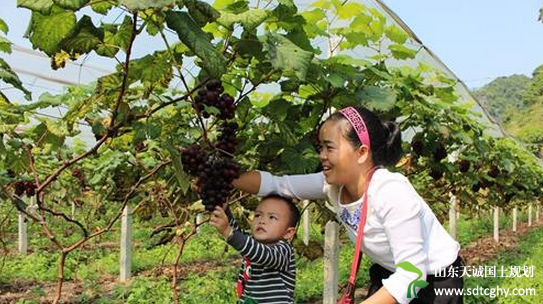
385	138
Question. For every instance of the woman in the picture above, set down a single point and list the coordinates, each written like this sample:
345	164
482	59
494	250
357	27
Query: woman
400	226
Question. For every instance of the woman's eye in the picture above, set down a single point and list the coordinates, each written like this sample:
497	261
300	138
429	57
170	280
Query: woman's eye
257	215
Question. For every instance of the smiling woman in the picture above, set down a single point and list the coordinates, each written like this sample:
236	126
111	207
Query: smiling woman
400	229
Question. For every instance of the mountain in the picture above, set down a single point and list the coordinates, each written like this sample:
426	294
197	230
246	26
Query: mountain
517	103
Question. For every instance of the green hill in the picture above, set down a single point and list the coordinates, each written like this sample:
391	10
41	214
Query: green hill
517	103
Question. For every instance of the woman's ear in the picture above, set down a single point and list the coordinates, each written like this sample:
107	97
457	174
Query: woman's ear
363	154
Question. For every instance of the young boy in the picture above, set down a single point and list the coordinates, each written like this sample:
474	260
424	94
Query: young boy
268	271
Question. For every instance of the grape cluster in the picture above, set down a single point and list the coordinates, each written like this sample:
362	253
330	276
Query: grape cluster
214	168
193	158
218	183
212	96
22	187
216	174
227	141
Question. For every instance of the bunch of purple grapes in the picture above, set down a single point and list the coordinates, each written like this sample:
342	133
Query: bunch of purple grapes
227	141
214	168
22	187
218	183
212	96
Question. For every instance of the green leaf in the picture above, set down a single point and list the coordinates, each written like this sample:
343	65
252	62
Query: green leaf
182	178
73	5
49	31
376	98
109	82
249	45
8	76
137	5
336	80
43	136
152	69
84	38
236	7
41	6
201	11
396	34
400	51
5	45
103	7
349	10
249	19
115	38
3	26
193	37
58	127
286	56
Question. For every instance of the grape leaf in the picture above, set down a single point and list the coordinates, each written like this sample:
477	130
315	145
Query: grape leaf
8	76
3	26
42	6
376	98
136	5
286	56
48	31
249	19
193	37
73	5
84	38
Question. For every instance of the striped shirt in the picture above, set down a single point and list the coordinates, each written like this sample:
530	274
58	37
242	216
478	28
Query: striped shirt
272	276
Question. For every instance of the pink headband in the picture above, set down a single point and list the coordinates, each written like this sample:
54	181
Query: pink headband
358	125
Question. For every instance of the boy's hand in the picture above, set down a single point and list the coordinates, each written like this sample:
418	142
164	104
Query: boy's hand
219	220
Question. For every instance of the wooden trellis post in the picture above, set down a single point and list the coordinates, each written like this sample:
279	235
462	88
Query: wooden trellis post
452	215
496	223
331	255
23	235
305	220
126	244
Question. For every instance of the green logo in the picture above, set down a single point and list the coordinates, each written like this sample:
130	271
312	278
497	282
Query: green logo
416	283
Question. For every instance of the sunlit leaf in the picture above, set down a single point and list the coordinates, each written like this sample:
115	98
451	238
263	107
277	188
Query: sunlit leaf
73	5
396	34
48	31
3	26
402	52
103	7
249	19
41	6
136	5
5	45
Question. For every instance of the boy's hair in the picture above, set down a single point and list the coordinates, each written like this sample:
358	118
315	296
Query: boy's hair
294	212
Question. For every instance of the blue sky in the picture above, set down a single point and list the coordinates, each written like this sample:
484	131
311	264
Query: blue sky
478	40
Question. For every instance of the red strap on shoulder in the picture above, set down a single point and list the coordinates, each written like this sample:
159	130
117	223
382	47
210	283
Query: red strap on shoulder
360	233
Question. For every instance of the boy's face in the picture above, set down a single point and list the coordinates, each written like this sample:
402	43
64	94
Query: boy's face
271	221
